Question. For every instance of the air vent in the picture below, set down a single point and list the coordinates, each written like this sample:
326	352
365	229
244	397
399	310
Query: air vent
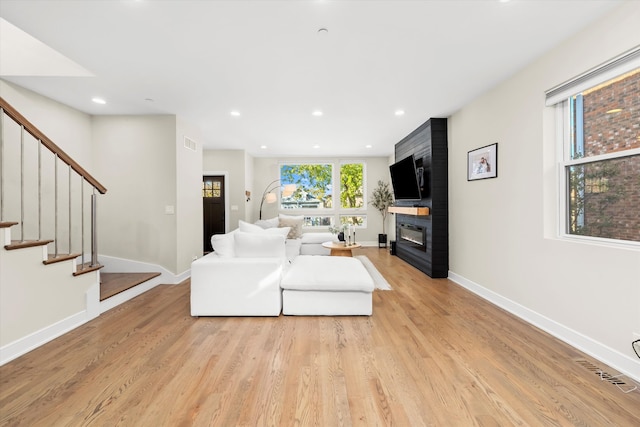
604	376
190	144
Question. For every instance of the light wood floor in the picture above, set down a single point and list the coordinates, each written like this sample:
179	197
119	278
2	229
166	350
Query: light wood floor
432	354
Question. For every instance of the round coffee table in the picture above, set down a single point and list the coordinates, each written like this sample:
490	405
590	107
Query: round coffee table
340	248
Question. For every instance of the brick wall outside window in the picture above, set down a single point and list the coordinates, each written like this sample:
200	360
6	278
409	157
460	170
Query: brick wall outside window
612	196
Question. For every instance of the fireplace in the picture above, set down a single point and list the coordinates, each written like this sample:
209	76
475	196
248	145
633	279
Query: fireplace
413	236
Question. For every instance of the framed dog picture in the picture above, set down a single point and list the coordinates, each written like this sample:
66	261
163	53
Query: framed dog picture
482	163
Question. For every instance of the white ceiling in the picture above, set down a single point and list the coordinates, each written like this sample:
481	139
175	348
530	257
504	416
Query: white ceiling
201	59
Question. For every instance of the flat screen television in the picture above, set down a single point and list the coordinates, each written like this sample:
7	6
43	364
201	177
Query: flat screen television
405	180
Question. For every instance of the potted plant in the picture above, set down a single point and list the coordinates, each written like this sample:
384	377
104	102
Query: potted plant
381	199
339	230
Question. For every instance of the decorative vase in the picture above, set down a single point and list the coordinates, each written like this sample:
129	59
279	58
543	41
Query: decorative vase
341	236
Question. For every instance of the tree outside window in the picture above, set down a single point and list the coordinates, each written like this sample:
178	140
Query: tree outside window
314	186
315	190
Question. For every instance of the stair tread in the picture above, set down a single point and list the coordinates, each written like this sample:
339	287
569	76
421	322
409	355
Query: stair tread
86	268
52	259
17	244
7	224
114	283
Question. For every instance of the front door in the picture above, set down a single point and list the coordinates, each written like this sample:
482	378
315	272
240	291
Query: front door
213	208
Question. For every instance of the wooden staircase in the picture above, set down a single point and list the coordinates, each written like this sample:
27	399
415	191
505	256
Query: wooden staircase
48	200
49	259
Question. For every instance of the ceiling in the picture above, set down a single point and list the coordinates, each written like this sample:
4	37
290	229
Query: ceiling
267	60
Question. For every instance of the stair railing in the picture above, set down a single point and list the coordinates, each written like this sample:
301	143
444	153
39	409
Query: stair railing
59	156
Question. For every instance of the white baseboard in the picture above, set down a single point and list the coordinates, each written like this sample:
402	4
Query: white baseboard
32	341
611	357
121	265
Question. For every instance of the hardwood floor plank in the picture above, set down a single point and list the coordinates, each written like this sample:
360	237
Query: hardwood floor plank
432	354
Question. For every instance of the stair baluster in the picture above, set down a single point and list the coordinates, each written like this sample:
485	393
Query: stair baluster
23	198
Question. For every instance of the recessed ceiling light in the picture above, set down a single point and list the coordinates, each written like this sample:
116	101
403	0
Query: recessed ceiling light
323	31
615	110
99	100
264	147
399	113
149	99
368	146
235	113
316	146
317	113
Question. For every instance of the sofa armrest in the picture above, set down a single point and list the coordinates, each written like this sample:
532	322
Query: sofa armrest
236	286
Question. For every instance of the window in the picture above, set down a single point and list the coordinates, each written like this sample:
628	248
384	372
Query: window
211	188
351	186
601	157
317	221
313	186
355	220
314	190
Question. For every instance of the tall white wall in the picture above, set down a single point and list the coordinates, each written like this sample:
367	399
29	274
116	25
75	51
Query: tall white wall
188	196
502	231
136	157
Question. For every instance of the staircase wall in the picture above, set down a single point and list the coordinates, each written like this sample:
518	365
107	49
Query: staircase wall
40	302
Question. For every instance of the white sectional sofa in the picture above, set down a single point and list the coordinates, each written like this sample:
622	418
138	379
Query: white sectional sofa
244	276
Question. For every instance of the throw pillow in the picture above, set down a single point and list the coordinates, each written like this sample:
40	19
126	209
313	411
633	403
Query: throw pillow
295	222
259	245
249	228
252	228
267	223
223	244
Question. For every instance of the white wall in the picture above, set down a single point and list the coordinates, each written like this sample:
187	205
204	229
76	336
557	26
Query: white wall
136	156
267	170
248	180
188	196
68	128
588	294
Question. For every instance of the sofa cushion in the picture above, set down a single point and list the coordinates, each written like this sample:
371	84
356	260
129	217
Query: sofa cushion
330	273
259	245
292	248
223	244
295	222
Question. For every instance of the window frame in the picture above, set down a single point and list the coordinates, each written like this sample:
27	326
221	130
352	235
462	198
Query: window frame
335	212
564	162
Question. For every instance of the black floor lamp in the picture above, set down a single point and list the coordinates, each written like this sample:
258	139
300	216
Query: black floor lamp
269	197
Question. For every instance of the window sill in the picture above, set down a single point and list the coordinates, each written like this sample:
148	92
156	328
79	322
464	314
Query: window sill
599	241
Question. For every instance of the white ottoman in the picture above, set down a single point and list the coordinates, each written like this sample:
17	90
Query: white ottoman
326	286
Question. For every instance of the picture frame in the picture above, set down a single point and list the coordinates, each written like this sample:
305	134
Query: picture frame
482	163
